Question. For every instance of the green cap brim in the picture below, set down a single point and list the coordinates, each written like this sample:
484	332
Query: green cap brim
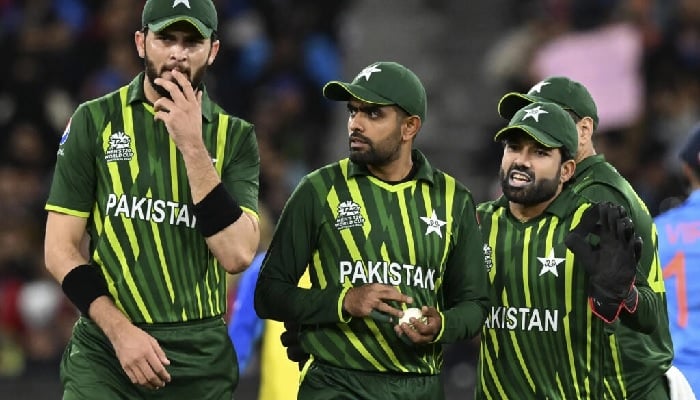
511	102
158	26
341	91
541	137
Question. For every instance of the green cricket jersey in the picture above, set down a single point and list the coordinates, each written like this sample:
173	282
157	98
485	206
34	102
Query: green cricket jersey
540	339
350	229
118	168
646	356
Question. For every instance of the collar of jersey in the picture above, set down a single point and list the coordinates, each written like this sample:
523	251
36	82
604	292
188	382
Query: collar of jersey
587	163
425	170
136	94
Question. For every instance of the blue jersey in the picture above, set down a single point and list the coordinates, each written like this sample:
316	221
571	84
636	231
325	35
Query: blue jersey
245	327
679	254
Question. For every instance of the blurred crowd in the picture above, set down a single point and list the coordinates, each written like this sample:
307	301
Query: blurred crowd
639	58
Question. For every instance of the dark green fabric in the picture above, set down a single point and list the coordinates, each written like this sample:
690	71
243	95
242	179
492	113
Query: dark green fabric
203	364
118	168
540	339
349	229
325	382
383	83
547	123
571	95
644	336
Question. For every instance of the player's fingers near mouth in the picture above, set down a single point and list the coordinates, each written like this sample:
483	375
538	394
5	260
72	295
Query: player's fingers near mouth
172	88
167	84
162	104
184	83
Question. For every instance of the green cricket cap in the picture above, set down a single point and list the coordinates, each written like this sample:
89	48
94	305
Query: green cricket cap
159	14
569	94
383	83
545	122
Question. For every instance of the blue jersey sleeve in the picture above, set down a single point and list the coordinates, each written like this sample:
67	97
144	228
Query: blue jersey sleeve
245	328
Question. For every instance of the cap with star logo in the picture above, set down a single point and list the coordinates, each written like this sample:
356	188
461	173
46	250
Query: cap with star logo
545	122
566	92
383	83
159	14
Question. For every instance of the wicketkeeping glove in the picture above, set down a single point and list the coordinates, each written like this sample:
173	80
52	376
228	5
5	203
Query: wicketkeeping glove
290	340
607	246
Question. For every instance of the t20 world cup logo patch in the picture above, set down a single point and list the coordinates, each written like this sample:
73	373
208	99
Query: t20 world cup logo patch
349	215
119	148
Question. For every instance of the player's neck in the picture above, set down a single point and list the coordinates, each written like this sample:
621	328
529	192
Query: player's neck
584	153
394	172
525	213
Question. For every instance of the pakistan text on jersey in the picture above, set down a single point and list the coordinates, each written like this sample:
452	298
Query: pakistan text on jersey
523	319
387	272
148	209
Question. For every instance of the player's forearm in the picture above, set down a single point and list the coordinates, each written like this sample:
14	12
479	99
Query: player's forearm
231	234
284	301
201	174
108	317
464	321
235	246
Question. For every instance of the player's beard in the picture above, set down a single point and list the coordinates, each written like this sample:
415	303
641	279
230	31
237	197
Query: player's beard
537	192
152	73
377	154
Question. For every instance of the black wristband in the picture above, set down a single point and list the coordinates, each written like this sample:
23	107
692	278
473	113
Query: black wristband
216	211
83	284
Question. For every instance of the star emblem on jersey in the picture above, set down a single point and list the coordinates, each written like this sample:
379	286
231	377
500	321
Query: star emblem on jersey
537	88
368	71
185	3
550	263
534	113
434	224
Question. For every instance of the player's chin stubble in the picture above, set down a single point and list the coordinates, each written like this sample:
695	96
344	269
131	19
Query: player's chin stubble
152	74
536	193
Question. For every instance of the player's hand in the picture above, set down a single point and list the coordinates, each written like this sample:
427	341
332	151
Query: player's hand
182	112
607	246
141	357
290	340
420	332
371	301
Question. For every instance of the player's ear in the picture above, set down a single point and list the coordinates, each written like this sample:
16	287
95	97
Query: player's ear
140	42
585	131
215	45
568	168
410	127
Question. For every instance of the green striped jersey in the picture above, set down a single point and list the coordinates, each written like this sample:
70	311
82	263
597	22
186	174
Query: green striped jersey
647	355
349	229
540	339
118	168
